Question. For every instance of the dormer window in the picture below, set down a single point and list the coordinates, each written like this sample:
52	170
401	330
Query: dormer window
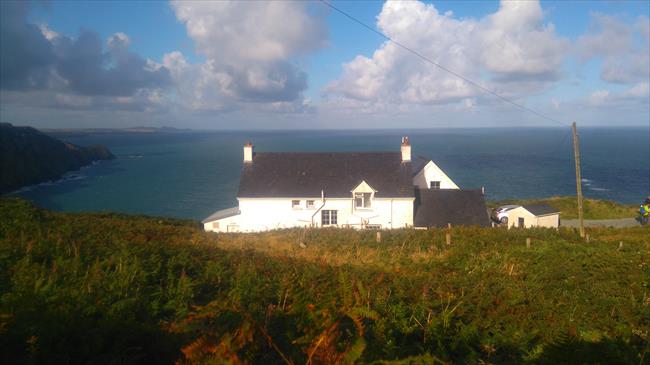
434	184
362	200
363	195
295	204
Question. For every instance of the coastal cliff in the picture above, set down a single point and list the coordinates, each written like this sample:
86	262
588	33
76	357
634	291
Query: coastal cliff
28	156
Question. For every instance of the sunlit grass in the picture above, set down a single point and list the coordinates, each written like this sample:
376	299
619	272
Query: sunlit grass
78	288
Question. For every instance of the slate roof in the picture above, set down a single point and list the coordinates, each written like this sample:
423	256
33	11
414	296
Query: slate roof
304	175
225	213
540	209
419	163
438	207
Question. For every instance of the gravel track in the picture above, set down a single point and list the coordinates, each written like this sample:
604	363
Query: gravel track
616	223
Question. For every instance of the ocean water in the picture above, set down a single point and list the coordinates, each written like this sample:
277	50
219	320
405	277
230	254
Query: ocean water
191	175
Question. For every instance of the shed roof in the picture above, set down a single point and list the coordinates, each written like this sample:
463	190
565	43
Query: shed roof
437	208
540	209
220	214
290	174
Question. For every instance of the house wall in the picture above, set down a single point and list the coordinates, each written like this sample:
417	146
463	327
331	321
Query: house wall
550	221
260	214
431	172
228	224
531	220
402	215
513	218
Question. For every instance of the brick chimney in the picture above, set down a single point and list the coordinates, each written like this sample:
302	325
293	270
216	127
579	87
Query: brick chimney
248	152
406	150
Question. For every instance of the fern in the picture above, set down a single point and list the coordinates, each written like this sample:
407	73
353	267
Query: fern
89	288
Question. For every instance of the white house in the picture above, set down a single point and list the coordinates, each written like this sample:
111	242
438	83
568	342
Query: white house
538	215
343	189
427	175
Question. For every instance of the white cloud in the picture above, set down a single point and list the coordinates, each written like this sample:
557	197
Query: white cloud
43	68
198	86
73	101
48	33
249	49
624	48
599	97
119	40
555	103
638	93
511	51
516	43
226	31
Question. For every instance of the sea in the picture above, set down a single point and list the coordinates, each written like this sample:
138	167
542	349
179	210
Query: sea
192	174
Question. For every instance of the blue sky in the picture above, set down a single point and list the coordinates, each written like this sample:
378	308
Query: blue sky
320	69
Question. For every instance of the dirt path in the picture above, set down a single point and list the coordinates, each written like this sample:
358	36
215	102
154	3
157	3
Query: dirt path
616	223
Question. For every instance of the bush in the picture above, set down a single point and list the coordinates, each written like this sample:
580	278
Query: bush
107	288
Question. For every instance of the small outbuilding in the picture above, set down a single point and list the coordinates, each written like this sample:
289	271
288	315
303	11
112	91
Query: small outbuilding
223	220
538	215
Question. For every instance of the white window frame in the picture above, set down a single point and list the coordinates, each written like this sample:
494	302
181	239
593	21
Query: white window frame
295	204
329	213
431	184
366	200
308	205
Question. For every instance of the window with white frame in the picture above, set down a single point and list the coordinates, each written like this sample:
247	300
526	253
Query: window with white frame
363	200
329	217
310	204
295	204
434	184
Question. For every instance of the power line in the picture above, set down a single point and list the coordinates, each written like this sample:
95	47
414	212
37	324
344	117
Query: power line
418	54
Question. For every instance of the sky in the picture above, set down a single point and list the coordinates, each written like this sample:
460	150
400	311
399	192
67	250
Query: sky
303	65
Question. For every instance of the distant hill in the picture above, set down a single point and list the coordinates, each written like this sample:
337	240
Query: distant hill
28	156
76	132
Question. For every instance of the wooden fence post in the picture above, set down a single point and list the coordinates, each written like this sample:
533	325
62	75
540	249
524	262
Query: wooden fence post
378	236
528	242
620	245
448	238
587	237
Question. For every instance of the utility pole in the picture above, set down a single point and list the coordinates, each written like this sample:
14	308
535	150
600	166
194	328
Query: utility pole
576	155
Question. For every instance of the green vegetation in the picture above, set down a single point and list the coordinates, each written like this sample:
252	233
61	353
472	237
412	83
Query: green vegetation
28	156
110	288
568	206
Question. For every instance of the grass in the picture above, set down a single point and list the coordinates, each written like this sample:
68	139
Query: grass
568	207
109	288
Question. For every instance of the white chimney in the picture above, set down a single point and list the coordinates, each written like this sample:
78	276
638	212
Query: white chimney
248	152
406	150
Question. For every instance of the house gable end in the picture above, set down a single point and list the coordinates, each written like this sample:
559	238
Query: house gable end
431	172
363	187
